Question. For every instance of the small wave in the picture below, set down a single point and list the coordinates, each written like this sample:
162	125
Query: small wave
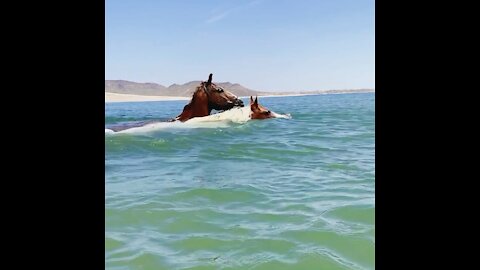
235	115
223	119
155	127
283	116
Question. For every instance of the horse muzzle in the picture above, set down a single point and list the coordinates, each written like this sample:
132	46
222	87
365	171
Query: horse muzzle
238	103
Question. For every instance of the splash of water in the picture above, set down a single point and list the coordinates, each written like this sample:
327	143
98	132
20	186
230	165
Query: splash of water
235	115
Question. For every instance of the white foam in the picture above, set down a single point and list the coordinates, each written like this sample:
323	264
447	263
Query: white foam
154	127
284	116
235	115
147	128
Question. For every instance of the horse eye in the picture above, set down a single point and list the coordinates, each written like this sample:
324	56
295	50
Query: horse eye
220	90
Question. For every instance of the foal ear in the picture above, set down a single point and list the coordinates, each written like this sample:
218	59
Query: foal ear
209	79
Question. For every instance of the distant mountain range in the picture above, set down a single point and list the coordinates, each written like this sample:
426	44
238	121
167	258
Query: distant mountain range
187	89
177	90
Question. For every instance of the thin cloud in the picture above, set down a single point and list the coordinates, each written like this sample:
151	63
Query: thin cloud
218	17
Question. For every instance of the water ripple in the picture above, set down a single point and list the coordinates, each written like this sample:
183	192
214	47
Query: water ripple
276	194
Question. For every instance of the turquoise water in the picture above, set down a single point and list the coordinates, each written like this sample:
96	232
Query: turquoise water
268	194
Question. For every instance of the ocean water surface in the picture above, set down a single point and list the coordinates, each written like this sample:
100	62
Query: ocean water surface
293	193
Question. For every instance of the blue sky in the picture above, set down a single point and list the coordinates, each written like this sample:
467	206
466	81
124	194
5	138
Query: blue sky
266	45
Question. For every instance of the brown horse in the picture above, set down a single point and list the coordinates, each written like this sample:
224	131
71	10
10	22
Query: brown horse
208	96
258	111
242	115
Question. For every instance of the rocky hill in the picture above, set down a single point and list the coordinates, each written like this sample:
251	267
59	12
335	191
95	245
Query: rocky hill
178	90
187	89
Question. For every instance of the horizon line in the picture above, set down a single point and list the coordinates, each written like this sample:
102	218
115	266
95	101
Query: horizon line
324	89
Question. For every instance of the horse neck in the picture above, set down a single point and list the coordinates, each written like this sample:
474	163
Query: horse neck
198	107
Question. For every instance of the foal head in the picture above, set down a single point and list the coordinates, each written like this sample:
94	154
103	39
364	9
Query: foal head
258	111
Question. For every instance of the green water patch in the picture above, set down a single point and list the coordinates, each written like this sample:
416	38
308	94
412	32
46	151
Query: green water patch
276	246
187	225
297	207
202	267
276	218
217	196
343	166
308	261
272	194
358	250
233	248
144	261
353	213
118	218
112	244
196	243
280	154
167	220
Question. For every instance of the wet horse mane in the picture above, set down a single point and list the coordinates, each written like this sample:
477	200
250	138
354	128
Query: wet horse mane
198	105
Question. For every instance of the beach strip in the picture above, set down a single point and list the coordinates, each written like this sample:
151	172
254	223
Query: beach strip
115	97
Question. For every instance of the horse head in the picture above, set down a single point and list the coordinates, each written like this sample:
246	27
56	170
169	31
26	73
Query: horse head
258	111
207	97
219	98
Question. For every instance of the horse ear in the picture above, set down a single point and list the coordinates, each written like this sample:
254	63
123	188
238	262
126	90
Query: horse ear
256	101
251	100
210	79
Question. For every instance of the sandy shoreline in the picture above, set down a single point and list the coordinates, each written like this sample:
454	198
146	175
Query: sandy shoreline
114	97
288	95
